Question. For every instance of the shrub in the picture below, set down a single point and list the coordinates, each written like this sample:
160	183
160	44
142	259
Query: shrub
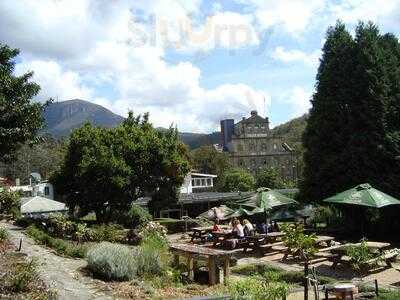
3	235
112	261
154	231
237	180
60	246
359	255
137	216
296	240
22	276
82	233
153	257
256	289
60	226
107	233
10	203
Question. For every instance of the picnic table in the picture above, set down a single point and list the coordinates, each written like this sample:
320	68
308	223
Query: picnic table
211	256
201	233
220	236
339	253
259	242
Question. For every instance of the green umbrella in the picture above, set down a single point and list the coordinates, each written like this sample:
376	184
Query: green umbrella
267	199
221	213
241	212
365	195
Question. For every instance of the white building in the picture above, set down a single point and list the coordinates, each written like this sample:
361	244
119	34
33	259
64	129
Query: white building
197	181
37	187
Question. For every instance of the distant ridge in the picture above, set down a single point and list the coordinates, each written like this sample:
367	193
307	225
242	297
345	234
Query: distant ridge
63	117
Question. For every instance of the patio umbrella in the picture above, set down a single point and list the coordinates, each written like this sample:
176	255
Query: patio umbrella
221	212
364	195
267	199
241	212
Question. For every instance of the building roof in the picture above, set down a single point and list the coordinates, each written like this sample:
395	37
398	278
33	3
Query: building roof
254	118
203	175
39	204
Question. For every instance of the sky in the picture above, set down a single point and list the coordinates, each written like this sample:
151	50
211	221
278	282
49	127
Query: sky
189	63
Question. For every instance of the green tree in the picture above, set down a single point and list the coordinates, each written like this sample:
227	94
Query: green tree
20	118
237	179
269	178
353	132
207	159
105	169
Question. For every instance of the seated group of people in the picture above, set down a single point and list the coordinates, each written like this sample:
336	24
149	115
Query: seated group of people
247	229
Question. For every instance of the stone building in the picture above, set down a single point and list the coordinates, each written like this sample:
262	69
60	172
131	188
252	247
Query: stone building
253	147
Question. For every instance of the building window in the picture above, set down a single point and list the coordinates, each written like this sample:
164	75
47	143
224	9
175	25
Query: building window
193	183
241	163
264	146
209	182
275	146
46	191
251	146
265	162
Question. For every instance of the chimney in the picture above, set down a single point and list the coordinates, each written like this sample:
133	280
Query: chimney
253	113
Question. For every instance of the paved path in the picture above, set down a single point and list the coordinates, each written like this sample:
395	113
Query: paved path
59	273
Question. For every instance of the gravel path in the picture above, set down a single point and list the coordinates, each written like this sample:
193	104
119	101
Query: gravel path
59	273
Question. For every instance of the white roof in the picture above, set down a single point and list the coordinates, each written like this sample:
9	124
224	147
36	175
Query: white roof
203	175
40	204
24	188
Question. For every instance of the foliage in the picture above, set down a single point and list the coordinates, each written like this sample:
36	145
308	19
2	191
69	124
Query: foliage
106	232
359	255
112	261
105	168
388	295
296	240
255	288
83	233
9	202
24	274
352	135
207	159
60	246
20	118
60	226
328	215
177	225
237	180
153	256
154	231
137	216
43	157
269	178
3	235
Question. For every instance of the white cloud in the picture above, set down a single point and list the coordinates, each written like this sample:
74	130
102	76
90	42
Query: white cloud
294	56
55	82
299	100
292	15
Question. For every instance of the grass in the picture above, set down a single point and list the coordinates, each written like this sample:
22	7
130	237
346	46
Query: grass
388	295
292	277
61	246
3	235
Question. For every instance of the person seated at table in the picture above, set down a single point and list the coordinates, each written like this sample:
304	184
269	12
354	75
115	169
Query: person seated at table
232	222
248	227
238	229
216	226
276	227
262	228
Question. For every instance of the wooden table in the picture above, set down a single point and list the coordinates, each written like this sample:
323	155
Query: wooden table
194	252
324	239
341	251
221	236
201	233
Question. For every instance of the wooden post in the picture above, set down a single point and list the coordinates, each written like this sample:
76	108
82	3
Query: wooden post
306	280
211	270
20	245
176	260
226	269
190	267
376	287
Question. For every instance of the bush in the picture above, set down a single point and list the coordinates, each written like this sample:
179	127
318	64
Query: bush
296	240
107	233
137	216
112	261
237	180
257	289
359	255
10	203
60	226
3	235
82	233
154	231
60	246
25	273
153	257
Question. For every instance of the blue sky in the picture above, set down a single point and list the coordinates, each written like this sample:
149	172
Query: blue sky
188	63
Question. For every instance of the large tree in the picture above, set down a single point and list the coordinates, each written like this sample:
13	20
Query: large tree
20	118
106	169
352	135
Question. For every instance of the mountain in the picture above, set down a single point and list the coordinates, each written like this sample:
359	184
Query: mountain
62	117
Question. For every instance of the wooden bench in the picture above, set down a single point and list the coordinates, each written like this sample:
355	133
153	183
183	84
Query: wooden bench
388	258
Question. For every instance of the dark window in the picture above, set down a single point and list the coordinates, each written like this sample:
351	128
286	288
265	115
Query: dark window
46	191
